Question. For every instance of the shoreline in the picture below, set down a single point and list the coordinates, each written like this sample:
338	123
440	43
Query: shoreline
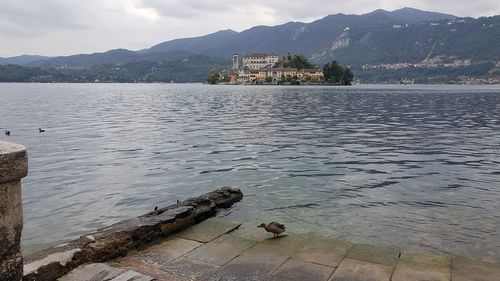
205	83
120	238
189	244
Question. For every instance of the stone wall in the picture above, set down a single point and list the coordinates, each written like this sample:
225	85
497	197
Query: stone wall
13	167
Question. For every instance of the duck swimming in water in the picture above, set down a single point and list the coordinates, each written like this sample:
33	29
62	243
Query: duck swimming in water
41	130
7	132
275	228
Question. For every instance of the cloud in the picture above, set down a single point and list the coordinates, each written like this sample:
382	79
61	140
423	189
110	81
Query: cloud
62	27
300	10
36	15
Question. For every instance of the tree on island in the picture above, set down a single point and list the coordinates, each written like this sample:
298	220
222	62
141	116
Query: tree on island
297	61
337	74
213	76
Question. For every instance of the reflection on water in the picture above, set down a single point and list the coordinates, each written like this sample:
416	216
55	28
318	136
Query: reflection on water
415	167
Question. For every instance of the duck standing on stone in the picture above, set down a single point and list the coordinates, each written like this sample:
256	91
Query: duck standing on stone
275	228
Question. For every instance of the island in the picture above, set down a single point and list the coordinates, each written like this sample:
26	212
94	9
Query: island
270	69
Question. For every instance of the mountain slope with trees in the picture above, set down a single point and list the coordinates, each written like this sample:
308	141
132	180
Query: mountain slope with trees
364	42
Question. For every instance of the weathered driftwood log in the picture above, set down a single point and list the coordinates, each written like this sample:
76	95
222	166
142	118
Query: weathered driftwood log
118	239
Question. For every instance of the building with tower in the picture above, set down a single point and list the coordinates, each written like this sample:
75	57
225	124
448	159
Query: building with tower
236	62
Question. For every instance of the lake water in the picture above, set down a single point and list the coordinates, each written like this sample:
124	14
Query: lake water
416	167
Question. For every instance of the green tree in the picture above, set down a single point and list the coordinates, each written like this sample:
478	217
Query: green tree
337	74
213	76
347	77
297	61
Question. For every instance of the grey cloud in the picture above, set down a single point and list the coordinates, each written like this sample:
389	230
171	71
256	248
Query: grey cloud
59	27
461	7
186	8
33	14
308	9
194	8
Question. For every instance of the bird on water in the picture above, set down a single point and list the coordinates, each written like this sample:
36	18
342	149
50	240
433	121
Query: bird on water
41	130
275	228
7	132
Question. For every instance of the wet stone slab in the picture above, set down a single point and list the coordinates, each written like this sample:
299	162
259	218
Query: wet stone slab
296	269
164	252
208	230
468	270
285	245
103	272
155	273
231	254
189	268
375	254
358	270
130	275
248	267
222	250
419	267
252	232
324	251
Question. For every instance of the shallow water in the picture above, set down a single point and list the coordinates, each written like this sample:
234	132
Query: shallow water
409	166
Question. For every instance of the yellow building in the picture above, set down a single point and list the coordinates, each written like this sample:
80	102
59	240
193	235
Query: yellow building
311	74
258	75
278	73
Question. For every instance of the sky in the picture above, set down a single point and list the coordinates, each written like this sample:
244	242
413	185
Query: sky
65	27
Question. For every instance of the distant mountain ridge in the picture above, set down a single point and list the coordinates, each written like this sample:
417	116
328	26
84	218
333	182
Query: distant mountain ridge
405	36
292	37
23	59
120	56
411	15
296	37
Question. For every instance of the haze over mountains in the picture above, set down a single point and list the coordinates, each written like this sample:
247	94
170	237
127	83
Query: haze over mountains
381	37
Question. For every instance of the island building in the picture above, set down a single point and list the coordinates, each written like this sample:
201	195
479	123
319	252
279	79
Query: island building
266	68
260	61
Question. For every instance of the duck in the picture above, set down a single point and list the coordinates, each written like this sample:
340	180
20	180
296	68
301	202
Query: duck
275	228
7	132
41	130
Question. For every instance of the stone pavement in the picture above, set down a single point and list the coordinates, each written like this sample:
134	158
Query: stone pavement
218	249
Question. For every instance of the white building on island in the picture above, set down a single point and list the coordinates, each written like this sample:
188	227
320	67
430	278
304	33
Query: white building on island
259	61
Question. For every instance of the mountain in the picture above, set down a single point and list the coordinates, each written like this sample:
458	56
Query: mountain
311	39
318	40
203	44
381	37
117	56
411	15
189	69
21	60
379	46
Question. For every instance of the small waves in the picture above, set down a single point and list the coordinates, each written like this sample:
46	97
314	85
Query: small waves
382	164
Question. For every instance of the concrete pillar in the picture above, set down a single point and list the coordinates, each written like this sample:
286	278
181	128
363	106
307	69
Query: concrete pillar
13	167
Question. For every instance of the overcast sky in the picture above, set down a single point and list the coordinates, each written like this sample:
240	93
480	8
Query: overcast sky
64	27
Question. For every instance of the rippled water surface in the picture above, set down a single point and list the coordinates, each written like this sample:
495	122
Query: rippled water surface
411	166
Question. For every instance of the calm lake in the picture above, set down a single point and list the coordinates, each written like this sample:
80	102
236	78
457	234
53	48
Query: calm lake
416	167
